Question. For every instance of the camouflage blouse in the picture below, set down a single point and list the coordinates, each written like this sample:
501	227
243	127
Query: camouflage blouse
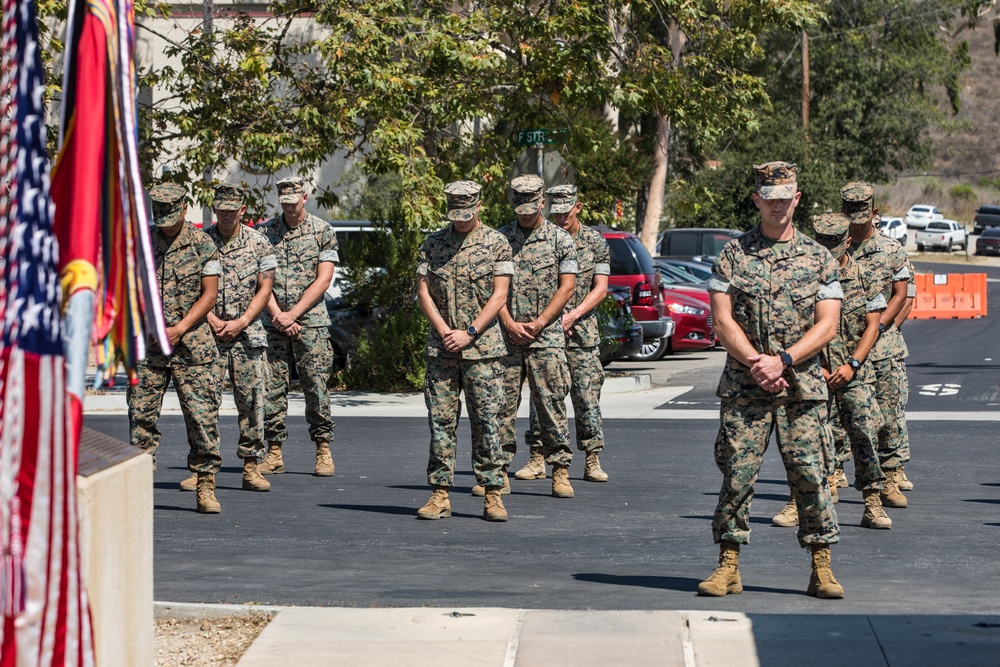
859	300
883	262
243	258
593	258
546	253
774	290
181	262
460	278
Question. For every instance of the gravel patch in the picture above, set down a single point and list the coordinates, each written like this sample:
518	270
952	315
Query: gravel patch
206	642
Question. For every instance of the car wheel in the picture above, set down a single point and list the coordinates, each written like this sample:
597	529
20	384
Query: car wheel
652	351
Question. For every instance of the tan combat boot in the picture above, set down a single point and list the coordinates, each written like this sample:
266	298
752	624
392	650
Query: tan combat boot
901	481
834	496
840	478
891	495
534	468
189	483
252	479
324	462
207	504
438	507
272	463
592	472
788	517
493	509
874	516
560	482
726	578
822	583
480	491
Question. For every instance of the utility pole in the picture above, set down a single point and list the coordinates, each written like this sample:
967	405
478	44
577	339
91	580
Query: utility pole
805	83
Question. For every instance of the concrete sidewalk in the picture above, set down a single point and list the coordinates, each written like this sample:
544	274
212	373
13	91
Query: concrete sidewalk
496	637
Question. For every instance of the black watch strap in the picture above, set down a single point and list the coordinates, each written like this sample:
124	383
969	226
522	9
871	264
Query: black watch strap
854	363
786	358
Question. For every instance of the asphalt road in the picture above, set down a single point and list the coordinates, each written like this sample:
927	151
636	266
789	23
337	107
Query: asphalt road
641	541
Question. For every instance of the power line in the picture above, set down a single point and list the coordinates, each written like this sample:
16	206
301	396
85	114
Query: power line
957	5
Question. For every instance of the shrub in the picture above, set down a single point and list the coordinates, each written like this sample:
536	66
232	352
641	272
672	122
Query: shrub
963	192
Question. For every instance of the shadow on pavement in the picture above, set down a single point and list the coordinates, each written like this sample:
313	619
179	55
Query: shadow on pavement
988	501
663	583
378	509
174	508
709	517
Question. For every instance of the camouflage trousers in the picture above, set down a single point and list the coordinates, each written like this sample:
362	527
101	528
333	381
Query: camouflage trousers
482	382
860	417
891	392
800	428
548	379
841	445
586	379
199	394
246	368
313	358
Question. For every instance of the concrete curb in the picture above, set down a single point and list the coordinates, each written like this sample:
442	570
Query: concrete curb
187	610
624	385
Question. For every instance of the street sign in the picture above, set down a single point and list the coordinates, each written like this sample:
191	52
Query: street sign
533	137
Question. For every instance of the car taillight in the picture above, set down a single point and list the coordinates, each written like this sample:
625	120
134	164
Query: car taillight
644	293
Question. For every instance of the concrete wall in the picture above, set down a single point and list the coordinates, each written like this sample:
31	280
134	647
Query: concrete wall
116	543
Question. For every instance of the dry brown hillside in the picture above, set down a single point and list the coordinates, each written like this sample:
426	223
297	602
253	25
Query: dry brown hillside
967	152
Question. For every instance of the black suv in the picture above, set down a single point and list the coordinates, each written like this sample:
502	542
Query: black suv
699	243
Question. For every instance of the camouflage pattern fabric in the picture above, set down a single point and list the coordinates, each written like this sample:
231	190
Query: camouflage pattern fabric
243	257
181	262
841	445
313	358
859	300
891	392
860	417
290	189
167	200
246	368
774	291
526	194
228	197
540	256
858	202
883	262
200	396
586	380
548	378
463	200
593	257
299	252
803	440
482	382
460	280
775	180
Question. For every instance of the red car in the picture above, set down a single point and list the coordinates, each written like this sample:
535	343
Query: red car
692	317
632	267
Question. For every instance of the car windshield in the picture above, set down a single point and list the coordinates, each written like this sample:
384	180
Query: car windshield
938	225
920	209
629	257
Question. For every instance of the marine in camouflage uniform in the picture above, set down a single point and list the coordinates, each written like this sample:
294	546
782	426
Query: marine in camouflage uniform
776	301
248	264
902	482
583	339
187	275
545	267
464	273
297	324
885	266
850	379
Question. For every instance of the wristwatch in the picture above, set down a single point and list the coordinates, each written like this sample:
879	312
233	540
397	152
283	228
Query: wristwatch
786	358
472	331
854	363
881	328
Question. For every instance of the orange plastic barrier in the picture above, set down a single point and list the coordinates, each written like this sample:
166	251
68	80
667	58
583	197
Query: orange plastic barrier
949	296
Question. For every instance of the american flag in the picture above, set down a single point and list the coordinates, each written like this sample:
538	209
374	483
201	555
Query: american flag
42	598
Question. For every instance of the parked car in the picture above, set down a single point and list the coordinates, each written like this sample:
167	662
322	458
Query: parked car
698	243
632	268
919	215
894	228
988	241
693	322
986	216
943	234
621	336
346	322
699	272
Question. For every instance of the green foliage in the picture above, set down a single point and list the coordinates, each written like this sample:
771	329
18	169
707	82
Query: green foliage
987	182
611	322
963	192
380	270
932	188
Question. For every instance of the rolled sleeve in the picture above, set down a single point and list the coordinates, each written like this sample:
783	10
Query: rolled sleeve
902	274
330	255
422	269
602	269
268	263
503	269
878	303
212	268
717	283
569	266
911	290
830	291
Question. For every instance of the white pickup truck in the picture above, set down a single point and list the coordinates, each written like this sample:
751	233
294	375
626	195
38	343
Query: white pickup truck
943	234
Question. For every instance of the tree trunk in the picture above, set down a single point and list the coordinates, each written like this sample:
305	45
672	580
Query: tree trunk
618	26
657	186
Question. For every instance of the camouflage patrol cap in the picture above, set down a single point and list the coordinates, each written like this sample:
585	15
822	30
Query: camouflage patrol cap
562	198
775	180
858	202
290	190
168	201
831	232
228	197
463	198
527	194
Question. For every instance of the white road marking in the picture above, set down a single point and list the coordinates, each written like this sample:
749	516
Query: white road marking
940	389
